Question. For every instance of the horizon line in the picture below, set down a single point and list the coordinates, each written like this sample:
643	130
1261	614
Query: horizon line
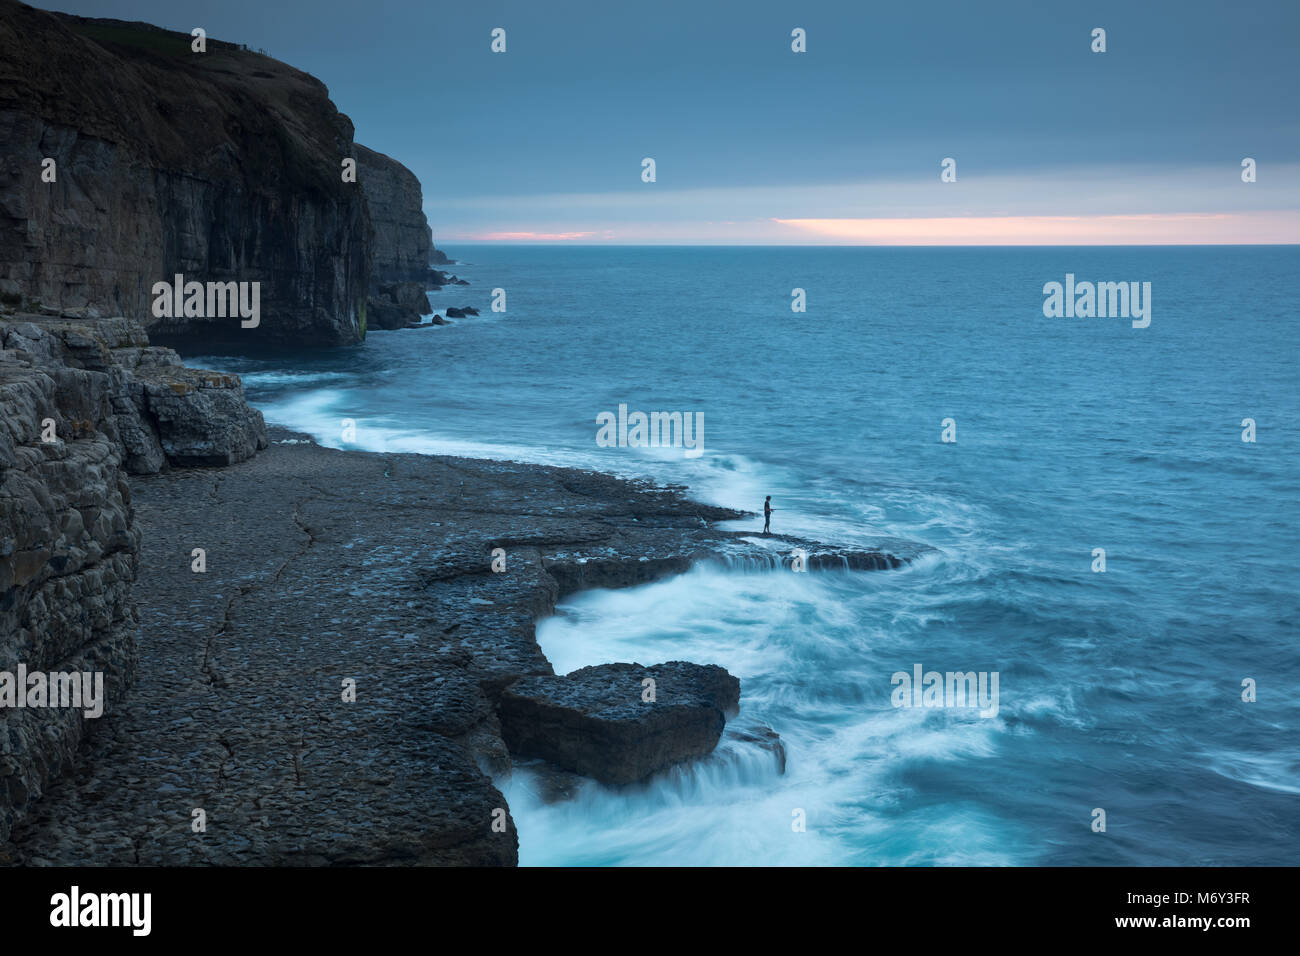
1258	227
443	243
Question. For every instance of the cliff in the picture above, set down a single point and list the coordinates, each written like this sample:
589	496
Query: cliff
82	404
220	166
403	242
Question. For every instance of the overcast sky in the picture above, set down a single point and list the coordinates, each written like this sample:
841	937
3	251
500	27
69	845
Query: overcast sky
755	143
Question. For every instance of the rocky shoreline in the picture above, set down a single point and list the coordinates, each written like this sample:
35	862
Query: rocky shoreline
324	566
419	578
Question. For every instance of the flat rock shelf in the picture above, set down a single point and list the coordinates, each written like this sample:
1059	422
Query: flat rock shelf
325	567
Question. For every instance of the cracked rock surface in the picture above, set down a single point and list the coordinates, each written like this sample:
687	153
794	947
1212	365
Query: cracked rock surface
324	666
325	566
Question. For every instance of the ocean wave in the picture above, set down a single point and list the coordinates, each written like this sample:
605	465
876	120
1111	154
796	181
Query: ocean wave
724	479
1275	772
254	380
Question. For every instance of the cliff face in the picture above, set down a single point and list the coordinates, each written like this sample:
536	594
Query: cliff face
82	403
403	241
66	565
220	166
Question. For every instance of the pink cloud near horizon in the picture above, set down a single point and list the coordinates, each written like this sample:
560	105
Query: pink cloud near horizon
523	236
1272	227
1147	229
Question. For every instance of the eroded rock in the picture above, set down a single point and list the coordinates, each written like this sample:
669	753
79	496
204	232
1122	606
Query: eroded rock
161	413
222	167
403	242
598	721
82	403
327	564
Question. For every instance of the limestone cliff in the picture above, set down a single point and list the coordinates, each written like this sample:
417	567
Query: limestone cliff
221	166
82	403
403	242
403	239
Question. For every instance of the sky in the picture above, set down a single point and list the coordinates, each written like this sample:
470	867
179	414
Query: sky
842	144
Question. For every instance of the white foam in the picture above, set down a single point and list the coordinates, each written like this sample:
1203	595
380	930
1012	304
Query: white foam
807	670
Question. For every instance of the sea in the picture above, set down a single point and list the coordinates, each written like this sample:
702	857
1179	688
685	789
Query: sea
1114	512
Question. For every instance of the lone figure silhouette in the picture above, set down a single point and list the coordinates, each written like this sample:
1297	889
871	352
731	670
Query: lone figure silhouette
767	515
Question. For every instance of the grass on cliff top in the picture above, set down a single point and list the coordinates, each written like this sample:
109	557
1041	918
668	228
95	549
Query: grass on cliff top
155	41
152	40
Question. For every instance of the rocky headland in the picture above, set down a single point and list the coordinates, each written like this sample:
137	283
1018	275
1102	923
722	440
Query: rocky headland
403	243
129	158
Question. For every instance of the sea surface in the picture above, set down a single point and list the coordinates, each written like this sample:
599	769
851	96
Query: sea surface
1119	691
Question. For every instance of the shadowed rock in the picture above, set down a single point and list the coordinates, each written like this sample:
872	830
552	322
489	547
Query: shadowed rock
160	413
223	167
402	245
598	722
764	738
82	402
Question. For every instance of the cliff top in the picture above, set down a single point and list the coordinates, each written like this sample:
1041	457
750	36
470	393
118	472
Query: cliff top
142	87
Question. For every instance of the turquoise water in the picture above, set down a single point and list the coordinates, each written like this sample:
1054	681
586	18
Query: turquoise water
1119	690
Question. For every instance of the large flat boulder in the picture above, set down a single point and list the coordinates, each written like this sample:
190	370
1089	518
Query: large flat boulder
603	722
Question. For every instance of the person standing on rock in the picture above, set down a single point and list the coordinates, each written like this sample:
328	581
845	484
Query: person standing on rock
767	515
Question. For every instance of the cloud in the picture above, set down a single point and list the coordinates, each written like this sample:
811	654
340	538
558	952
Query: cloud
1151	229
523	236
1057	205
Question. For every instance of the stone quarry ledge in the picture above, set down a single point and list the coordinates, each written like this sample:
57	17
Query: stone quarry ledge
324	566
